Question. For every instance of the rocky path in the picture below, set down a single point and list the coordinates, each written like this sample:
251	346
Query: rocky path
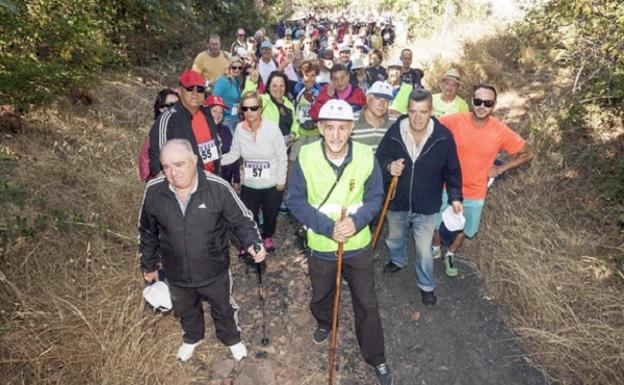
459	341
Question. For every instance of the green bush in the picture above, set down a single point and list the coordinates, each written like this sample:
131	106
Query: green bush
48	47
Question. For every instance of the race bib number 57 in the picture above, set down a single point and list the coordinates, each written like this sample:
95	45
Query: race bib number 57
257	170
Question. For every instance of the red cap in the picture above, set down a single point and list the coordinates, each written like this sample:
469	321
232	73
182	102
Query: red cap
190	78
212	101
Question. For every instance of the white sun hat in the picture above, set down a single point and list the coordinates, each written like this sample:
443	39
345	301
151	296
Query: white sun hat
157	295
452	221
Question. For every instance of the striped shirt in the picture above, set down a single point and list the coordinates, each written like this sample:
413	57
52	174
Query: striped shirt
364	133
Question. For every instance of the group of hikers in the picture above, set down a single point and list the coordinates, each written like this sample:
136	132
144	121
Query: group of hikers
303	126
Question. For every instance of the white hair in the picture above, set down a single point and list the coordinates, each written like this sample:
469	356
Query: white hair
182	143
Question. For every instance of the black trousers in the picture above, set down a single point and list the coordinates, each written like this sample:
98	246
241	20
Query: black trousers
267	199
359	274
187	305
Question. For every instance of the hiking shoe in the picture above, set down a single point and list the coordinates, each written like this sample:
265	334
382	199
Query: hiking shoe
449	262
283	209
391	268
268	244
428	298
238	351
320	335
185	351
382	371
437	252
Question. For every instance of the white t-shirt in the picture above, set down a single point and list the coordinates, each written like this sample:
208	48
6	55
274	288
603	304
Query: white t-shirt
265	69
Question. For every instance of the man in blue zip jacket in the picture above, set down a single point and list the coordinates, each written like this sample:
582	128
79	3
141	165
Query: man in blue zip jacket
183	220
421	152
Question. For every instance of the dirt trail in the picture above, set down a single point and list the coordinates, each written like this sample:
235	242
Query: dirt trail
461	340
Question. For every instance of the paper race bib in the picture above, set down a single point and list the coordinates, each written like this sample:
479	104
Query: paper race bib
257	170
304	114
208	151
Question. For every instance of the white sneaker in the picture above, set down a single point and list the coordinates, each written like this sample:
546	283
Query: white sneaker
186	350
238	351
437	252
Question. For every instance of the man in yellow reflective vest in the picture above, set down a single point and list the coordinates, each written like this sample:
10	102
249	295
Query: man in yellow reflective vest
331	174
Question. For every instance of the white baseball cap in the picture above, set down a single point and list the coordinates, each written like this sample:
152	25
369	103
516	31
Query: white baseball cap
157	295
336	109
395	63
452	221
344	47
357	63
381	90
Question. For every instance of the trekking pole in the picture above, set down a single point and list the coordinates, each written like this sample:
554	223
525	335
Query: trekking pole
265	339
332	349
384	210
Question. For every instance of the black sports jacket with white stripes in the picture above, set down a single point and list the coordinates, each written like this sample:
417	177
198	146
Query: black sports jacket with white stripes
176	123
193	246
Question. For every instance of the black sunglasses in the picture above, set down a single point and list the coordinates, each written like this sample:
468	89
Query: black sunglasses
168	105
199	89
236	67
250	108
488	103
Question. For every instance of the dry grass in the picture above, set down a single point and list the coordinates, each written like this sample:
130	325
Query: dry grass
70	294
544	239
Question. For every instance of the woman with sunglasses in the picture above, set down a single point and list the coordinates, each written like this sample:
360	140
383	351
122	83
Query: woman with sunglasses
165	99
228	87
260	144
278	108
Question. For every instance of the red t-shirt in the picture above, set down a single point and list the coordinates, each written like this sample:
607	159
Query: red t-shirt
477	148
207	146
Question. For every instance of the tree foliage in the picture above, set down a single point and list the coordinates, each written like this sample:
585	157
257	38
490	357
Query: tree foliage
587	36
49	46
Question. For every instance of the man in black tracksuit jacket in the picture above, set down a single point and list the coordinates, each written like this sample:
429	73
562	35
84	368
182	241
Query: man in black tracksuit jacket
177	123
183	220
422	153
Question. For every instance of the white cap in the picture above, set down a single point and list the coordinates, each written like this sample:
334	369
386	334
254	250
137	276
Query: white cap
344	47
381	90
157	295
336	109
357	63
395	63
452	221
242	52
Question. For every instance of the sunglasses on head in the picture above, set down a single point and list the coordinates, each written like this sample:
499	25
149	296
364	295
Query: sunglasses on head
250	108
199	89
236	67
488	103
168	105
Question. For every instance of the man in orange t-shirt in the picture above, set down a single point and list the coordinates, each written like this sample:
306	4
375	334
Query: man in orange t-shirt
479	137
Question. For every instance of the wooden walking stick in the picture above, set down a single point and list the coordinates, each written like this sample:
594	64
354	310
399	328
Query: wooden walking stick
332	348
384	210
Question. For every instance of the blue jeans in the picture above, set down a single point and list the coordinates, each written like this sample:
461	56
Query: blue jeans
422	229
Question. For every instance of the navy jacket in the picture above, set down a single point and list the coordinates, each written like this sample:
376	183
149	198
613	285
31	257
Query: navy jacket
420	186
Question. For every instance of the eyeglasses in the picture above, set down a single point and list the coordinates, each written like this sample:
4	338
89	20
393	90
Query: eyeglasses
199	89
250	108
487	103
168	105
236	68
